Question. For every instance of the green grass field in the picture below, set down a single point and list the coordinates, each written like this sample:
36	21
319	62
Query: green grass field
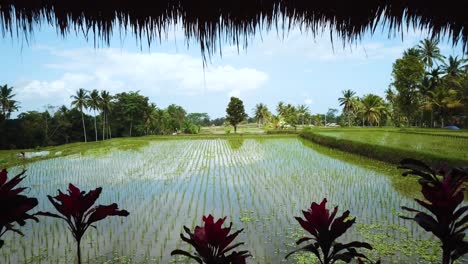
431	145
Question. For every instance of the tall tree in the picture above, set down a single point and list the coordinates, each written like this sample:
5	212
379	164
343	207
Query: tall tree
373	108
177	116
129	109
105	106
235	112
455	67
94	101
348	102
290	115
80	102
302	111
280	108
442	100
408	73
429	52
7	103
149	117
261	113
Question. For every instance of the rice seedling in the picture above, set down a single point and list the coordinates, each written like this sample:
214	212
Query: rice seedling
258	185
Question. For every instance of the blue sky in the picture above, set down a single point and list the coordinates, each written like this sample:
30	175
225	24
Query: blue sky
296	68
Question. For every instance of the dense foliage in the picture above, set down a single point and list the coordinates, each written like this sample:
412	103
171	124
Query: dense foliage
94	116
427	90
235	112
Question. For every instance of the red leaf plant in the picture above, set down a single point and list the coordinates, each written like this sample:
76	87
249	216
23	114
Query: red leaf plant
14	206
443	190
325	229
75	209
211	243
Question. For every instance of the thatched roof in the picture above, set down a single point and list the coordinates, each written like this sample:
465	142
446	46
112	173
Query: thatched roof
213	21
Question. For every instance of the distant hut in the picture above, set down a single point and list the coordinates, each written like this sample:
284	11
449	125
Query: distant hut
212	21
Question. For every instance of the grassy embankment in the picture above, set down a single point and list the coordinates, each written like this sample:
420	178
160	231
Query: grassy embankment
433	146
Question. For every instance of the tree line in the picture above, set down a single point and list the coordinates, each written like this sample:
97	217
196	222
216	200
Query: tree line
92	116
428	89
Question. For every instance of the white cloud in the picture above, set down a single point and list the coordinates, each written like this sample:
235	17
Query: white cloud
319	48
154	74
308	101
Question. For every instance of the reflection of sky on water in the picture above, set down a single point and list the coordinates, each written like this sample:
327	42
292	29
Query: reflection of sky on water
168	184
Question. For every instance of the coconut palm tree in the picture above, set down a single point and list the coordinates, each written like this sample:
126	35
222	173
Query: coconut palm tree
7	103
442	100
348	103
149	117
261	113
454	67
80	102
280	108
429	52
106	107
373	107
302	111
94	101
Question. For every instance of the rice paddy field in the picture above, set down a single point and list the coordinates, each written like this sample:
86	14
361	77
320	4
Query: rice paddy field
443	143
259	183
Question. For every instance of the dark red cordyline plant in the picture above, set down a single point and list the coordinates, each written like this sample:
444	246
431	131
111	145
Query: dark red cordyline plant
75	209
211	243
443	192
14	206
325	229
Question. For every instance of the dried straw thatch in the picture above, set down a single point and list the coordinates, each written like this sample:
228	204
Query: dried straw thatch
212	21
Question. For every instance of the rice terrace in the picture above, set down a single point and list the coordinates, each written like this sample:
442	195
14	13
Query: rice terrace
233	132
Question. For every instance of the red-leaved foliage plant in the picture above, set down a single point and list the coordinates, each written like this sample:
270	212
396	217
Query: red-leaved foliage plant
14	206
325	229
212	243
446	218
76	209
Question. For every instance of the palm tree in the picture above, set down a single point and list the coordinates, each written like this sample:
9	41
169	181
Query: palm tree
149	116
348	103
302	111
105	106
280	108
275	121
454	66
261	113
7	103
80	101
373	108
429	52
443	99
94	102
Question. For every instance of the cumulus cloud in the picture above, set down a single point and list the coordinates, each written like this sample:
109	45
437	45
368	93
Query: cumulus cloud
154	74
